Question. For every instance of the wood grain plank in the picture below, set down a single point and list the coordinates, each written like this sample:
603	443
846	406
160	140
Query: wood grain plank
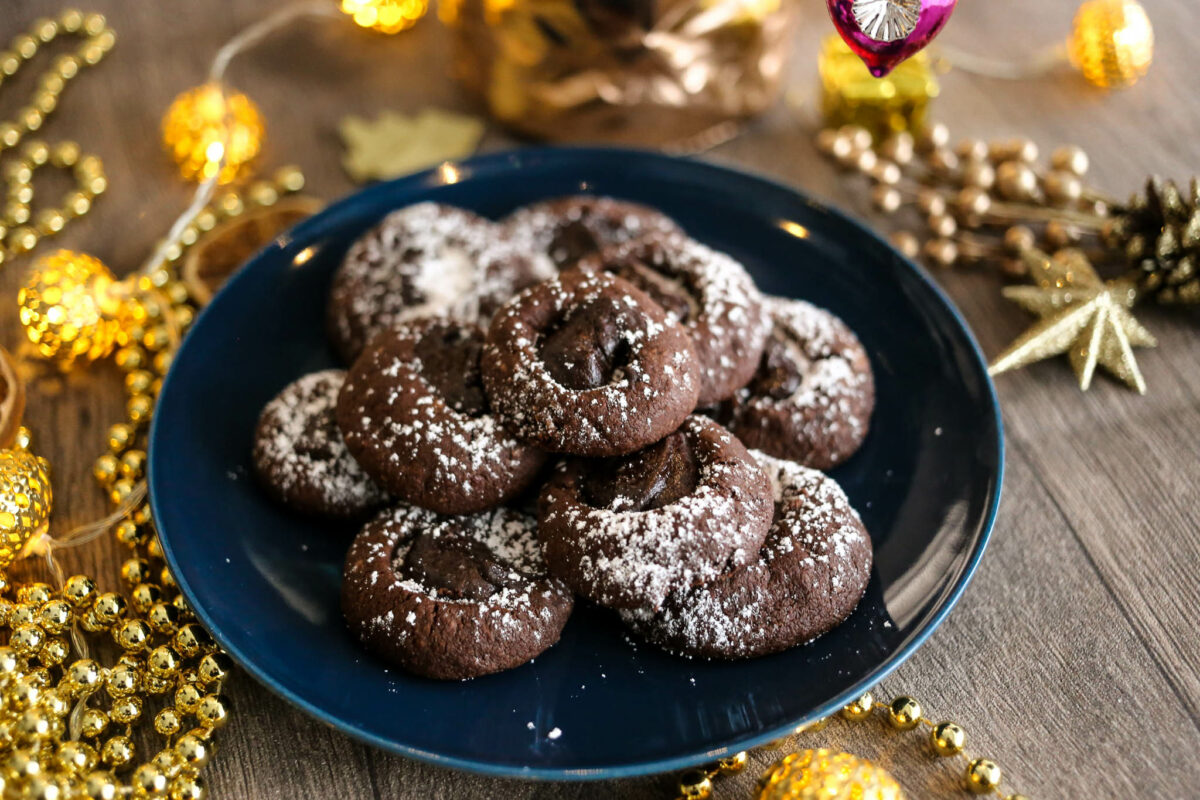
1071	660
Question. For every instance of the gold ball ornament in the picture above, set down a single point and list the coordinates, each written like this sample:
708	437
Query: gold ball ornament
25	501
385	16
826	775
71	307
208	122
1112	42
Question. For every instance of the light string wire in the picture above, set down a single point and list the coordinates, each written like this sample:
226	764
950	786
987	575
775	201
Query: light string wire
1036	65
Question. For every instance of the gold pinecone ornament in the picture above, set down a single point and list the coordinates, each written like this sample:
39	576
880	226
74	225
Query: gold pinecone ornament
1158	231
823	774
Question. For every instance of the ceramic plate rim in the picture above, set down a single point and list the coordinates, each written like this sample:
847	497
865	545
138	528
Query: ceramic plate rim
512	160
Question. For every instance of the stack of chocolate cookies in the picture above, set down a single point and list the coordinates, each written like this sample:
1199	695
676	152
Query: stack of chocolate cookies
578	400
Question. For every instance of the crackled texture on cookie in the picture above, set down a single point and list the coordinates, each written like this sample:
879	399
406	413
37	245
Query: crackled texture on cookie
569	228
426	260
627	531
587	364
299	454
414	414
812	397
806	580
452	597
708	292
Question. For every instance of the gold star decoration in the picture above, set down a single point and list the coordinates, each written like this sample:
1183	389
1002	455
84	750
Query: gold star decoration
1081	315
395	144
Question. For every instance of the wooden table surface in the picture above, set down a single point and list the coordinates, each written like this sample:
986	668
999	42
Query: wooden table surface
1072	659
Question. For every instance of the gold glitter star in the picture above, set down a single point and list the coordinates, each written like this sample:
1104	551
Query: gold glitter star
1081	315
395	144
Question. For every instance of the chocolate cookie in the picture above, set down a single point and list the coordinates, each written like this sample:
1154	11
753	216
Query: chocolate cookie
806	580
709	293
569	228
425	260
587	364
452	597
812	397
299	454
414	414
627	531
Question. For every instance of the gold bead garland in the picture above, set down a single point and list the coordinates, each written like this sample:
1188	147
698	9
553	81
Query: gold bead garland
793	775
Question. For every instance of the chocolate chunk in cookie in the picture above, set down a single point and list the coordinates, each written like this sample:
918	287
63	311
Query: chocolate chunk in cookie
414	414
299	454
812	397
587	364
708	292
806	580
627	531
452	597
426	260
569	228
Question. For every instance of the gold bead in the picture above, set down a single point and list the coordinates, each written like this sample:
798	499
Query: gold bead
886	199
1016	797
972	203
100	786
188	787
135	571
126	709
860	138
860	709
23	764
148	780
289	178
898	148
54	651
77	203
32	725
982	776
263	193
83	674
1063	188
906	243
117	751
934	136
695	785
30	118
138	381
127	533
162	360
120	490
943	162
213	711
130	358
139	408
163	617
109	607
121	436
843	150
23	239
21	614
55	616
1112	42
156	338
206	220
825	141
9	63
980	174
187	698
133	635
74	756
64	154
141	515
10	662
167	722
122	680
26	639
865	161
105	469
943	226
193	750
213	667
947	739
162	662
24	46
1018	239
972	150
734	763
191	640
931	202
132	464
942	252
1070	158
886	172
93	722
50	221
35	593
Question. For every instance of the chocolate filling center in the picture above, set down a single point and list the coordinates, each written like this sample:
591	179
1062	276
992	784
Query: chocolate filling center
449	357
456	565
781	370
651	478
588	347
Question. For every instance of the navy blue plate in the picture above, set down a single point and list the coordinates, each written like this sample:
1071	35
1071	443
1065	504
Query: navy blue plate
265	582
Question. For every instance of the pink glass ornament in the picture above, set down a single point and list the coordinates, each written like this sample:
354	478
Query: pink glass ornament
885	32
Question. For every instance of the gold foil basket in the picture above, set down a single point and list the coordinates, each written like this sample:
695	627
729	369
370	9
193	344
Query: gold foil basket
667	73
